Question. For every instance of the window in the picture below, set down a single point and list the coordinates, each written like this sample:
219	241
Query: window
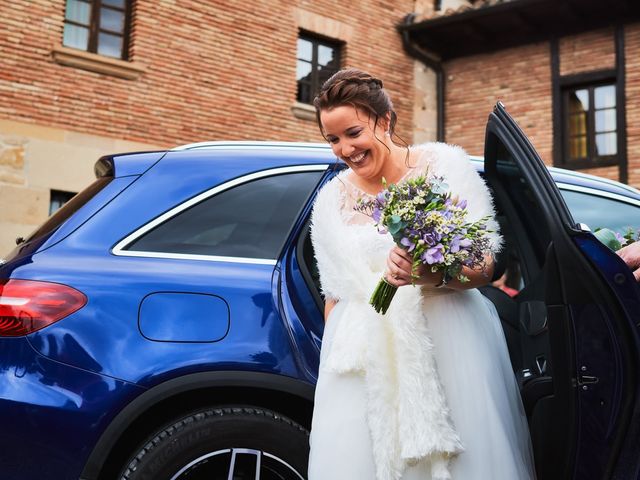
317	61
98	26
600	212
251	220
591	137
58	199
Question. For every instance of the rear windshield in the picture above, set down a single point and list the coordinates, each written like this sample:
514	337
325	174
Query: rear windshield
69	208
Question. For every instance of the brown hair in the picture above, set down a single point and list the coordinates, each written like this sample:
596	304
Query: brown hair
360	90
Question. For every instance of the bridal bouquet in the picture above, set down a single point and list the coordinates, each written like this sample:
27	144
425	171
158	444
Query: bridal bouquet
424	219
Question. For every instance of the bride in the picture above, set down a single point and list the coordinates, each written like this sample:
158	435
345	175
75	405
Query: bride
426	391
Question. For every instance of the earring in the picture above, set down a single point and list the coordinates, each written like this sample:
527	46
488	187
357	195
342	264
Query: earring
387	133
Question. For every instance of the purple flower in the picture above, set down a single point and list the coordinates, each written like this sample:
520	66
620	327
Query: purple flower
376	214
465	243
433	255
407	243
462	204
620	238
454	246
431	238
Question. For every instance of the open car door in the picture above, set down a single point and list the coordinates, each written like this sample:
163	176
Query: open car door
577	316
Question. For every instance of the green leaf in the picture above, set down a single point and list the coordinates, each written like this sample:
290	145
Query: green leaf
607	237
395	224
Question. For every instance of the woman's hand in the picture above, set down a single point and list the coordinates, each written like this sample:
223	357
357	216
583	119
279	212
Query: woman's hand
631	256
399	263
398	272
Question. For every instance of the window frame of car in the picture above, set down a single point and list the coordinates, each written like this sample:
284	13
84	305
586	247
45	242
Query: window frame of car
93	25
121	248
594	192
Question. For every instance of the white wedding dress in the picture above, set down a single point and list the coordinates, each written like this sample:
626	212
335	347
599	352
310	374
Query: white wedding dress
361	416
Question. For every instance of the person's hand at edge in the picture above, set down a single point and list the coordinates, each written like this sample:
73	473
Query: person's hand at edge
631	256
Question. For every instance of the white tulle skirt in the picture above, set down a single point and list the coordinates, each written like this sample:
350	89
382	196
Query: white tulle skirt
480	387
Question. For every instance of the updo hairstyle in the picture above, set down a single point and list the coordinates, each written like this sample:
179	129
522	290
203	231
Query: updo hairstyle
358	89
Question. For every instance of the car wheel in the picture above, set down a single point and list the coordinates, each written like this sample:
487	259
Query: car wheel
224	443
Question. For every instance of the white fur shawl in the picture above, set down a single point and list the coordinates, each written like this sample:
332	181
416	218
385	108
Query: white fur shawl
406	409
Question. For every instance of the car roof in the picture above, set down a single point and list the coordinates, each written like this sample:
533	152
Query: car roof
241	144
314	152
579	181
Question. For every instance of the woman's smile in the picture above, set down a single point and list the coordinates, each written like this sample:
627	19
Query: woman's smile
358	158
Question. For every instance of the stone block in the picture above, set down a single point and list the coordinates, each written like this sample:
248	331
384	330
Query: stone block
12	157
22	205
9	176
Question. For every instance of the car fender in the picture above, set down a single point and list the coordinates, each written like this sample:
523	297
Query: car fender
183	384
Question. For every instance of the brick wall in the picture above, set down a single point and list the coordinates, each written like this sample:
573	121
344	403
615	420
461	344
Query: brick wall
214	70
588	51
519	77
632	73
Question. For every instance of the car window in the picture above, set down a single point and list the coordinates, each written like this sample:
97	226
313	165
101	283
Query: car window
251	220
601	212
69	208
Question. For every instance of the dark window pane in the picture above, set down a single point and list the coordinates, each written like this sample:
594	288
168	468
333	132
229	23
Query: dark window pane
110	45
305	49
579	101
600	212
58	199
251	220
112	20
114	3
78	11
303	70
324	73
75	37
606	144
304	92
606	120
605	97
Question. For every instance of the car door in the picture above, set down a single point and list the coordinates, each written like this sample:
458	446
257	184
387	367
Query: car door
579	319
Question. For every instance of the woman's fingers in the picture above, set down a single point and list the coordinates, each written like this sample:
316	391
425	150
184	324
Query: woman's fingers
401	258
399	264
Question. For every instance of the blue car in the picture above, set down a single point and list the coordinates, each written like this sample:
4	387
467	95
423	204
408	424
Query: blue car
166	323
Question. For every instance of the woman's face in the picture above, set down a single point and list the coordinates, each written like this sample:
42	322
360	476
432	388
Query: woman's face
351	133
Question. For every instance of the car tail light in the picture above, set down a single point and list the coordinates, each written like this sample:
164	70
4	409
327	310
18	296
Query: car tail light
29	305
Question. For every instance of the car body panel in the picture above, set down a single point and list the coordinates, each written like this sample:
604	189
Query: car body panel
52	414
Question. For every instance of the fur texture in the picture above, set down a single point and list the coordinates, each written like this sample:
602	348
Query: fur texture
407	412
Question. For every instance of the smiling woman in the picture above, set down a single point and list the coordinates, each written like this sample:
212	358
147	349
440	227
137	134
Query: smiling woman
382	408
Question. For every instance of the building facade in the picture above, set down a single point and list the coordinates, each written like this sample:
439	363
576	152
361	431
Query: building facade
568	72
84	78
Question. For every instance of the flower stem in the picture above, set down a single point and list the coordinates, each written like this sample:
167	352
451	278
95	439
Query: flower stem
382	296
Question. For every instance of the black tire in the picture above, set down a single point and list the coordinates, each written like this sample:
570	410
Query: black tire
205	444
